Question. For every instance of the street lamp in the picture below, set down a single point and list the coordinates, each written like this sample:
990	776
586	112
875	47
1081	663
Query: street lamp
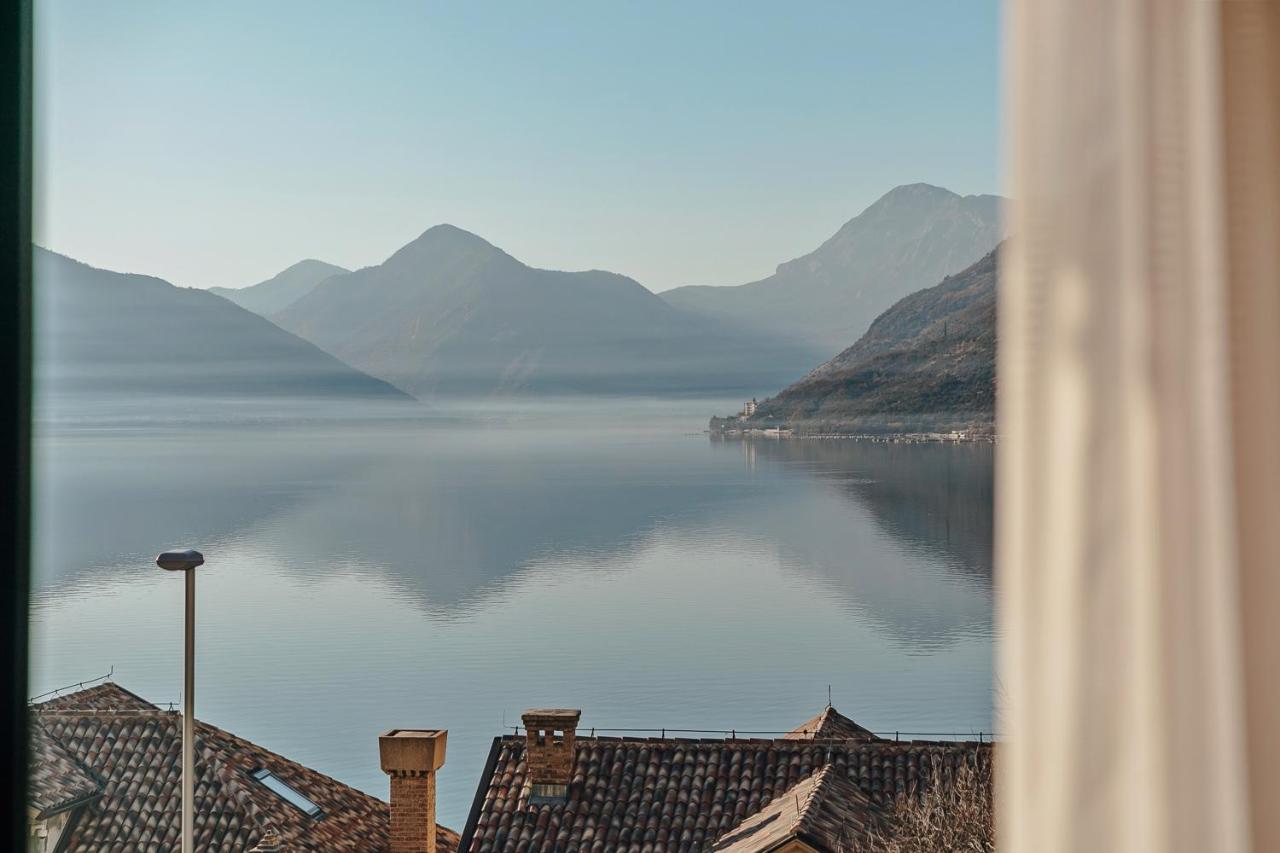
186	561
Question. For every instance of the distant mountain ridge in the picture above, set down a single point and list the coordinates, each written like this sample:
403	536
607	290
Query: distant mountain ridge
925	365
449	313
281	290
110	332
908	239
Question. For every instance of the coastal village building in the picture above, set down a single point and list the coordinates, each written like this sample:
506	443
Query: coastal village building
822	787
749	408
106	777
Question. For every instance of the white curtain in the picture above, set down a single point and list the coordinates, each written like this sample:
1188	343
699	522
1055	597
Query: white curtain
1138	502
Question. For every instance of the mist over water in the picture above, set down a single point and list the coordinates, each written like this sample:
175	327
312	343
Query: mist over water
380	565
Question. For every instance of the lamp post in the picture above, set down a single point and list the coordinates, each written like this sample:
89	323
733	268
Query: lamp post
186	562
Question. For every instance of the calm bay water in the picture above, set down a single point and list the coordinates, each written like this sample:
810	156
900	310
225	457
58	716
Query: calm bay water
451	566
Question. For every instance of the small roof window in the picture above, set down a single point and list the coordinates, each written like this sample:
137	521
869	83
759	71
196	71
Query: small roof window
277	786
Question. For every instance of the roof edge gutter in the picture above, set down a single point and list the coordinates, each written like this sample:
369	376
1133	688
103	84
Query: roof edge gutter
477	803
67	806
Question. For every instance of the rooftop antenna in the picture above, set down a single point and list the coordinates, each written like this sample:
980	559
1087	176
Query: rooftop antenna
828	695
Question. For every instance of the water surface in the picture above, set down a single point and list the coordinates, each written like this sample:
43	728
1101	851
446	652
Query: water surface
452	565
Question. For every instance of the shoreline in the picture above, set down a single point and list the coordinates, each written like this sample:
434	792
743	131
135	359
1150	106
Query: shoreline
880	438
975	431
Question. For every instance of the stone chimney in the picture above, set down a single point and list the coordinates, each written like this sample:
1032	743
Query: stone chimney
411	758
550	735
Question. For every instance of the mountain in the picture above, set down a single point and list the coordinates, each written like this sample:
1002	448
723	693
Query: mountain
114	332
267	297
449	313
925	365
909	239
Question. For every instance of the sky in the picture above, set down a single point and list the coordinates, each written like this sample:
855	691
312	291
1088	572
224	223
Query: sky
675	142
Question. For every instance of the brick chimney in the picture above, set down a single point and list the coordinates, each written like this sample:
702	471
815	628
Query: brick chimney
411	758
550	735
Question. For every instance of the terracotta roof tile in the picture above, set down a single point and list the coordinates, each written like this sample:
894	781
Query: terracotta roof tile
825	810
829	724
646	795
134	749
107	696
57	780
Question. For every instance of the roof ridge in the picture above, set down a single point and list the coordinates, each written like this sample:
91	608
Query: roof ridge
56	743
826	715
40	738
103	712
90	693
830	740
827	723
819	778
124	689
831	792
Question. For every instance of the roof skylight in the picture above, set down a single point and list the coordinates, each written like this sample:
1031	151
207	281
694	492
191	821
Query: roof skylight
277	786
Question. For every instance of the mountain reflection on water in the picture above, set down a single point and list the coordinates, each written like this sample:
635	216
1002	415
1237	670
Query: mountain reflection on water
933	500
452	565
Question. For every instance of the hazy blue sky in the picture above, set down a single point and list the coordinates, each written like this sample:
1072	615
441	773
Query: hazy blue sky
679	143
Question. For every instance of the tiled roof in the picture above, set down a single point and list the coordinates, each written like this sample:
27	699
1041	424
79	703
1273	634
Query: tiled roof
671	794
134	749
825	810
829	724
107	696
60	782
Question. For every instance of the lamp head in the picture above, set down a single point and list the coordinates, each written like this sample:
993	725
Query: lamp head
180	561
